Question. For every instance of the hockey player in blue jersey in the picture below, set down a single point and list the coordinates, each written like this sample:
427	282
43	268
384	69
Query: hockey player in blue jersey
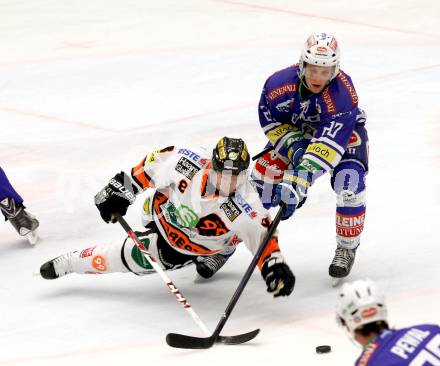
362	312
309	113
11	205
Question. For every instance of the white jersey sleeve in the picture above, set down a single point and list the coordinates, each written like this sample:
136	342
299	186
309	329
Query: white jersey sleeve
253	226
149	173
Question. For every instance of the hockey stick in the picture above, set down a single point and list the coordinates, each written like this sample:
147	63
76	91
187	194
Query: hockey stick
161	273
184	341
261	153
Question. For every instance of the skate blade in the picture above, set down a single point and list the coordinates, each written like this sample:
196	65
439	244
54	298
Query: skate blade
335	282
199	279
32	237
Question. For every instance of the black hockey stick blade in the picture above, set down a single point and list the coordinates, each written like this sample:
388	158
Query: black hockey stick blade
183	341
238	339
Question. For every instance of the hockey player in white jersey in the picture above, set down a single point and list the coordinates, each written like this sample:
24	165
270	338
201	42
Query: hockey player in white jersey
199	207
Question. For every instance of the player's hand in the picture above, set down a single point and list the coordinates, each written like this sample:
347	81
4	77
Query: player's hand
279	278
296	149
116	196
292	191
286	197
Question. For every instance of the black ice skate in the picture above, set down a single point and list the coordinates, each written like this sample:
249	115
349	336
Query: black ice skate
57	267
342	262
25	223
209	265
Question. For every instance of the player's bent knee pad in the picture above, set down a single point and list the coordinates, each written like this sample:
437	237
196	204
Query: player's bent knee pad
165	255
348	176
133	258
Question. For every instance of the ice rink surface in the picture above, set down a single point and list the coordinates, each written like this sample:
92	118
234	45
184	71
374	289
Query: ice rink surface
87	88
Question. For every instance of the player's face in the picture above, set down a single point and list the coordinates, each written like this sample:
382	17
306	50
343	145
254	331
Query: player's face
317	77
227	183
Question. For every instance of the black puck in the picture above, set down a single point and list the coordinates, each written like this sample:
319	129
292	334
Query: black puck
323	349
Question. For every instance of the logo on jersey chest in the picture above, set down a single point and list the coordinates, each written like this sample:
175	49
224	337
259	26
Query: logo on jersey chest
306	112
211	225
304	106
182	216
231	210
187	168
328	100
285	106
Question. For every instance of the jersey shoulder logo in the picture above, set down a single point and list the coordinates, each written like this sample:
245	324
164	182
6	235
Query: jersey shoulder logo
245	206
350	88
281	90
328	100
187	168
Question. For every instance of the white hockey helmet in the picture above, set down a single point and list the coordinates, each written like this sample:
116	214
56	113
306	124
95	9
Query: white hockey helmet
320	49
360	302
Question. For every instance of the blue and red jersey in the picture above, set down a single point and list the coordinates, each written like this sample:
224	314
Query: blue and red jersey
418	345
326	121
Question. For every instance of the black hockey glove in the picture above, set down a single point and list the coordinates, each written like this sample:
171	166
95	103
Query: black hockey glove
279	278
116	196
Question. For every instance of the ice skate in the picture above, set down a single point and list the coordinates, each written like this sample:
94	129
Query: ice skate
57	267
24	223
207	266
341	264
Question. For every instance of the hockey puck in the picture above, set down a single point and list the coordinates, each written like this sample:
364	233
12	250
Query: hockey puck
323	349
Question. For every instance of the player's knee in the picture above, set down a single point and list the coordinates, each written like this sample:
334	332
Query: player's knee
348	178
133	259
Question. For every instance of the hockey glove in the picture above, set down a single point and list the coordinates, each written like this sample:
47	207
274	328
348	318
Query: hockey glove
292	191
278	276
286	197
296	149
116	196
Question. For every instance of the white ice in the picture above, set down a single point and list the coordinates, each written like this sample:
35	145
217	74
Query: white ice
87	88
